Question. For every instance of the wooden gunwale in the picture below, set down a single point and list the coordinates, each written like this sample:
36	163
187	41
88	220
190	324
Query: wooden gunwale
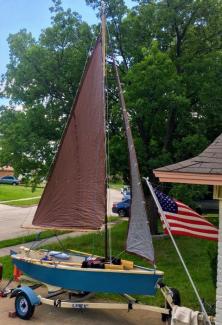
77	266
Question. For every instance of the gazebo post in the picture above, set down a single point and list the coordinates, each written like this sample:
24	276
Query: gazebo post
218	195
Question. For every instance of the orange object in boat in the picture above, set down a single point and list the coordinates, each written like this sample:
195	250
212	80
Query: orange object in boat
1	271
16	273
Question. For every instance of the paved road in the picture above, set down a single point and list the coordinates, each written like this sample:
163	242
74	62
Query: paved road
47	315
13	218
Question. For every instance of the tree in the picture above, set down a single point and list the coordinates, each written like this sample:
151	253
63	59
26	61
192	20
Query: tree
43	76
154	90
169	54
115	11
173	86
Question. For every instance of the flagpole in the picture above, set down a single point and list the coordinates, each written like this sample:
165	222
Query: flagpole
161	212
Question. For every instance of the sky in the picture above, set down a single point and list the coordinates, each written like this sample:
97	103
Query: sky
34	15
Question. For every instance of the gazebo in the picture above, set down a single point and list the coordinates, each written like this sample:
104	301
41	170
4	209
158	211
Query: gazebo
206	168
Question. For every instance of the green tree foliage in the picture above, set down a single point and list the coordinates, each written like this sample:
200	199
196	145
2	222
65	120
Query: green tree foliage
173	86
42	76
169	55
115	11
154	93
27	141
176	109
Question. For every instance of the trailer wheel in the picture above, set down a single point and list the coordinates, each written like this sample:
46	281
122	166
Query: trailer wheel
176	301
23	307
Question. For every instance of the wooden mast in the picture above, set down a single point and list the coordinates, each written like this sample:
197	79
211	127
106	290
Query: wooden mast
103	30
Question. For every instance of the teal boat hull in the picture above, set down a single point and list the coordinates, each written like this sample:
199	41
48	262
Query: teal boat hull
92	280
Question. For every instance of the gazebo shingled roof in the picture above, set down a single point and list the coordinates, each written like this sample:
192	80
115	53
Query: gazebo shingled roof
206	168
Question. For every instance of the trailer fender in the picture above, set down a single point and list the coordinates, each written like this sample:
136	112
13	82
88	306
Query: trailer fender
34	299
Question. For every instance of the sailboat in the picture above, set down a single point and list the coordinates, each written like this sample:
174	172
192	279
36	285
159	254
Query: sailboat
75	199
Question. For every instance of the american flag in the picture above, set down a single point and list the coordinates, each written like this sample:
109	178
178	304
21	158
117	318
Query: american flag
184	221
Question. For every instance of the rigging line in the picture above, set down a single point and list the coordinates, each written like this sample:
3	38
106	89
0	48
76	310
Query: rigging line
60	243
108	160
121	253
37	243
27	215
103	33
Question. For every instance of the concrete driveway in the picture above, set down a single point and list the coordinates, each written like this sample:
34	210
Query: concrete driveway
48	315
12	219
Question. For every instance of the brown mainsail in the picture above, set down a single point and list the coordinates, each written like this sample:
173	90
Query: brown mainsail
75	195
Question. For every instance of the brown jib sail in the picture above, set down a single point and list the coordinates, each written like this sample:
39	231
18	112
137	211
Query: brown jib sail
75	195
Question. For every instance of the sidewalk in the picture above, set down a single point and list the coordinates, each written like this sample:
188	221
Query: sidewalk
6	251
15	221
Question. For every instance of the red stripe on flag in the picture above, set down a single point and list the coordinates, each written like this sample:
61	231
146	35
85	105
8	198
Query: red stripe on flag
189	234
195	222
189	227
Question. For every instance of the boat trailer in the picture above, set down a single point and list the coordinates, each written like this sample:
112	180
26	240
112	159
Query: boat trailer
26	299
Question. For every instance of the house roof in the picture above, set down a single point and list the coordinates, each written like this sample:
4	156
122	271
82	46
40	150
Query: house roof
206	168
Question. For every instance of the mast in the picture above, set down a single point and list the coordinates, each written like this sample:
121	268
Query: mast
103	29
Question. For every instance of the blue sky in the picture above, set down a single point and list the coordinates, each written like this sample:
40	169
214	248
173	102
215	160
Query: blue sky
33	15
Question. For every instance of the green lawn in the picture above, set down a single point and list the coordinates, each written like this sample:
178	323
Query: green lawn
9	192
28	238
116	185
194	251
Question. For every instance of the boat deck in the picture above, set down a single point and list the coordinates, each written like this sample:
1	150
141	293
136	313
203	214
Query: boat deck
75	260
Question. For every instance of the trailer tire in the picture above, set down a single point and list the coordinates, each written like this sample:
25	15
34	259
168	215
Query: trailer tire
23	307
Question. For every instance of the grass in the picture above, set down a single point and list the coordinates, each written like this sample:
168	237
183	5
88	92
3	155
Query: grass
194	251
9	192
114	219
116	185
213	218
28	238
